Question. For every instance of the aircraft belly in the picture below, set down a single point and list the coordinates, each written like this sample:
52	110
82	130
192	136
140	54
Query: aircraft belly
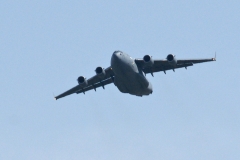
132	83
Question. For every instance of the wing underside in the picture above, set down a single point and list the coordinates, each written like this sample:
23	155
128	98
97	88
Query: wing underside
93	83
95	86
164	65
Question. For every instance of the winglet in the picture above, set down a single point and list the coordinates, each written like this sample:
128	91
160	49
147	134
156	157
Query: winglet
215	58
54	97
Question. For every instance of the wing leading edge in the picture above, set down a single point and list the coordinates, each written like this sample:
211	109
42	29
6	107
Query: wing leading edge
93	83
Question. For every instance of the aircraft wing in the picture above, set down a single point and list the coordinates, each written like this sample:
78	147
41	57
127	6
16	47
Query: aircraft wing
164	65
93	83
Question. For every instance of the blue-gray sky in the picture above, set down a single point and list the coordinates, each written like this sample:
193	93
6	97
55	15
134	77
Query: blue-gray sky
46	45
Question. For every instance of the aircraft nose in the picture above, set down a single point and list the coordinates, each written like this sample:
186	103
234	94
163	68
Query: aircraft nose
115	57
116	53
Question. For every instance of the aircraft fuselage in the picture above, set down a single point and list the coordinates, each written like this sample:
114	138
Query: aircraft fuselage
128	77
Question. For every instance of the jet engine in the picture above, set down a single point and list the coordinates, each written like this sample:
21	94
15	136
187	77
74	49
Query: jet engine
82	81
100	72
148	61
171	59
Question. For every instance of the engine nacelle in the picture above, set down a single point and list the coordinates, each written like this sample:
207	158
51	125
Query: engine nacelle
100	72
82	81
171	59
148	61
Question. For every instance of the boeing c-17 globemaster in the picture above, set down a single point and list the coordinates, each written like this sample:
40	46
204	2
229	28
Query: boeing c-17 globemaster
129	74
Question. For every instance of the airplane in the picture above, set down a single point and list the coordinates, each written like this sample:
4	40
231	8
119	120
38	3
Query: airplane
129	74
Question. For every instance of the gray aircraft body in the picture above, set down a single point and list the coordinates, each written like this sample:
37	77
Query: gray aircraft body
129	75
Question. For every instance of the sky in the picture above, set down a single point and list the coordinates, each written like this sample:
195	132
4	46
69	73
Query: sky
46	45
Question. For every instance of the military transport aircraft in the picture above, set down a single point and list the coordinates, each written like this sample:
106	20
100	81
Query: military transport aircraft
129	74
